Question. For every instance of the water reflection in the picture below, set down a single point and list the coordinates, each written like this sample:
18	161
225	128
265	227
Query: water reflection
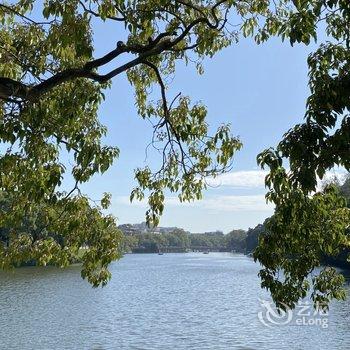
182	301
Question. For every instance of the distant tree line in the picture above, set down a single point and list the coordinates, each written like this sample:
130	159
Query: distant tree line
175	241
239	241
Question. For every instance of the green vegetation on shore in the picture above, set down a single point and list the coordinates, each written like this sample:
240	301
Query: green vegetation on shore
139	239
179	240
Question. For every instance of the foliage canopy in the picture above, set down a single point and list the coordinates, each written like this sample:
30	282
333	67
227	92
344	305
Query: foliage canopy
51	86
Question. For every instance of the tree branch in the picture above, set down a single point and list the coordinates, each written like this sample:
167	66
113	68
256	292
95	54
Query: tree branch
95	14
16	13
12	88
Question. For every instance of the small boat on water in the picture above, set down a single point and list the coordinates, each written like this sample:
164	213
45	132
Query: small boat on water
160	253
206	252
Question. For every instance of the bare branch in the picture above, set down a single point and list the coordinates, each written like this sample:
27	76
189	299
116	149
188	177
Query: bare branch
96	14
7	8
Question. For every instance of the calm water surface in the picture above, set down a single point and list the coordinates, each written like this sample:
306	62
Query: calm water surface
172	301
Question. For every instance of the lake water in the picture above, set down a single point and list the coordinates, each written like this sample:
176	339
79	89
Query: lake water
172	301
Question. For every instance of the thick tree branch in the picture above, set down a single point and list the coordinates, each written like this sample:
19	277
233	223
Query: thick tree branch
10	88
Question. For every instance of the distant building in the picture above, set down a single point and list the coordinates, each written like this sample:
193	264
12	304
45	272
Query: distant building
130	229
210	233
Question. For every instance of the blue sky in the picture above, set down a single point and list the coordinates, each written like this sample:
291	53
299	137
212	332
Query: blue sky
260	90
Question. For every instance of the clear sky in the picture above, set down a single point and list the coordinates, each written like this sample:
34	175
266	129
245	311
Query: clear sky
260	90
